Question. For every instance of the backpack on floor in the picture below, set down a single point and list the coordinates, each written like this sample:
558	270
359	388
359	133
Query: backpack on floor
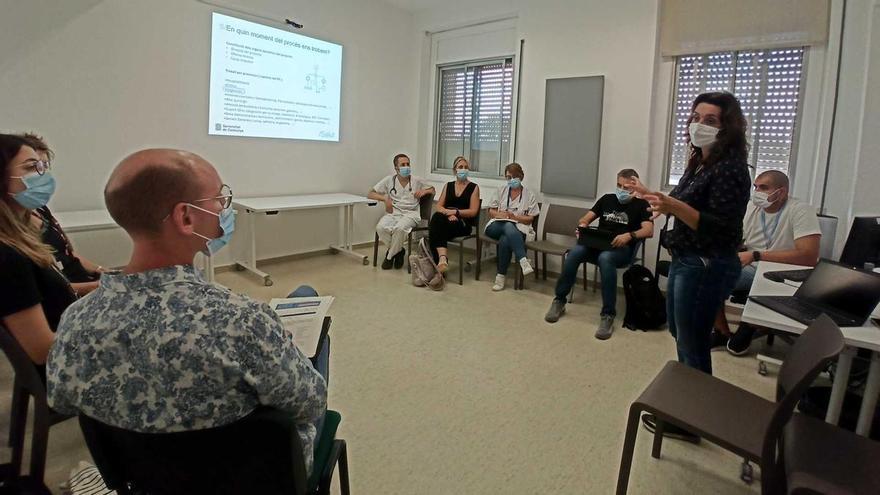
424	271
645	304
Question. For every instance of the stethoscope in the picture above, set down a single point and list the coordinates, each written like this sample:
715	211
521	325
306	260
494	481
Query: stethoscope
408	186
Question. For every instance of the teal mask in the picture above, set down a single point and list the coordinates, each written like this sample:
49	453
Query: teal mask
462	174
623	195
39	189
227	225
514	183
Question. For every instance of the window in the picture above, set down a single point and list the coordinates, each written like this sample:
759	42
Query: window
475	101
768	86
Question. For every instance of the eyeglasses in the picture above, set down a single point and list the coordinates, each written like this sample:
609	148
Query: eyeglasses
225	197
39	166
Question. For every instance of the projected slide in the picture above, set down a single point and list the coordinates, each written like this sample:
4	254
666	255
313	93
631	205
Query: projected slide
267	82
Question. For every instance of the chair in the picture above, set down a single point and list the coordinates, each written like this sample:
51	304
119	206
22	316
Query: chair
559	220
28	383
822	458
460	242
728	416
635	260
482	238
425	205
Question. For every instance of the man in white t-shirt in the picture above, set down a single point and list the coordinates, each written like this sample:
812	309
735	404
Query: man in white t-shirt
776	228
401	193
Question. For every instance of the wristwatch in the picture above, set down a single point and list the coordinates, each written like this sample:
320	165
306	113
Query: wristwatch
756	255
633	235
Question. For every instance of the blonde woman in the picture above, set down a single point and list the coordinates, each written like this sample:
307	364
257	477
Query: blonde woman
33	293
457	211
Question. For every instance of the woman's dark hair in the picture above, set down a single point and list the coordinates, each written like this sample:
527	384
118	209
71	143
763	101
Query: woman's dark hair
516	170
731	138
39	145
10	145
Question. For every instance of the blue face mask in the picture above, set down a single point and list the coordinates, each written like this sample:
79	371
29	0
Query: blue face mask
227	225
623	195
39	188
404	171
462	174
514	183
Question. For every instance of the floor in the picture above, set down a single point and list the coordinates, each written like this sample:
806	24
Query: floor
467	391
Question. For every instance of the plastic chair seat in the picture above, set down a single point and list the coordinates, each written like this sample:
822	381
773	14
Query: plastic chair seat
820	457
709	407
548	247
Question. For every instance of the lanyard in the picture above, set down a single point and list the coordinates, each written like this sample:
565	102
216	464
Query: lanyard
768	238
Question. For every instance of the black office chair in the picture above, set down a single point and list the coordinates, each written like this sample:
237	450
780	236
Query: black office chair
260	453
28	382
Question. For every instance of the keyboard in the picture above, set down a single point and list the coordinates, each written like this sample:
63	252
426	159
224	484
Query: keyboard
803	311
793	275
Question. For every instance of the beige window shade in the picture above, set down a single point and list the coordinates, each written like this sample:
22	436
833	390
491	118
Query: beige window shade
690	27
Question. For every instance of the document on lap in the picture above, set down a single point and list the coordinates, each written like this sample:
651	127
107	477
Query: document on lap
303	317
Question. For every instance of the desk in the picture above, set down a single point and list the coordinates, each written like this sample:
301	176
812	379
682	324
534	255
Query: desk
85	220
92	220
866	337
275	204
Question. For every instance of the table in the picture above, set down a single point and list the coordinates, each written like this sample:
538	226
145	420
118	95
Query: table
274	204
93	220
85	220
866	337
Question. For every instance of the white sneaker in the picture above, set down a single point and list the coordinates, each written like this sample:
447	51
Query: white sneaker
526	266
499	283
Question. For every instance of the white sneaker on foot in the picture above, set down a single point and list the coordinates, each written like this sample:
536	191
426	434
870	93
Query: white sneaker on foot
499	283
526	266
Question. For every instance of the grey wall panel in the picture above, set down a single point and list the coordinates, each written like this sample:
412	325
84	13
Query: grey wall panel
572	134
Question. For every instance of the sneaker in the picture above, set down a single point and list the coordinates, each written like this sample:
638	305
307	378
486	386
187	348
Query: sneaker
739	343
386	263
499	283
606	327
649	421
718	339
399	258
526	266
557	307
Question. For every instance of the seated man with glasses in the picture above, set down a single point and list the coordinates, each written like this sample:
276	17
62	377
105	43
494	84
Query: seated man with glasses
158	349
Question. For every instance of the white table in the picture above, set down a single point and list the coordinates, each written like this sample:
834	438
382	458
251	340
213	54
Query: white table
274	204
93	220
866	337
85	220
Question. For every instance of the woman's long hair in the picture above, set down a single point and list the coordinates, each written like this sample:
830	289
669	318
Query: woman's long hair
731	138
15	227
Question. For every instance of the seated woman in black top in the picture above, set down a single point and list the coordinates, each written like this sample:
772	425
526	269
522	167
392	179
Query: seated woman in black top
457	212
33	292
82	273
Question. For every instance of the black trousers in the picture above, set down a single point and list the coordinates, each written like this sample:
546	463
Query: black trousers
441	230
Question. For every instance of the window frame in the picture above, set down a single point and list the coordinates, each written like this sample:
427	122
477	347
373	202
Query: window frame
796	125
438	96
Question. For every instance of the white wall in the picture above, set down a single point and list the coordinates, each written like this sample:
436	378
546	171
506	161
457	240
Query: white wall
619	40
101	79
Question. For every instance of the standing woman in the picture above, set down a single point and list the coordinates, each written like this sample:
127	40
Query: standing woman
705	212
82	273
33	293
512	212
457	212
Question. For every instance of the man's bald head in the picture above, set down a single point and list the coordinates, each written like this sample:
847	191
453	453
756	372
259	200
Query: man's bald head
776	178
145	186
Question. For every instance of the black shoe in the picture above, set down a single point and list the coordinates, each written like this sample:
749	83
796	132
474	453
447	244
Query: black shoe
718	339
386	263
649	421
740	341
399	258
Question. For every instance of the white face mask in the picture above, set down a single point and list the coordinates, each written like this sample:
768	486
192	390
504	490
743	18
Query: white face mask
762	199
702	135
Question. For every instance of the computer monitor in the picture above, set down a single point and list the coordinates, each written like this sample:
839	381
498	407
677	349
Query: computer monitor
863	243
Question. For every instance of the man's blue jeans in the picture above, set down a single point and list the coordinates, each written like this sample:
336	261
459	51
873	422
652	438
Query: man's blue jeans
608	261
510	241
696	290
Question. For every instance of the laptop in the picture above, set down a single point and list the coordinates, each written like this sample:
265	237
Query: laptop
596	238
846	295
